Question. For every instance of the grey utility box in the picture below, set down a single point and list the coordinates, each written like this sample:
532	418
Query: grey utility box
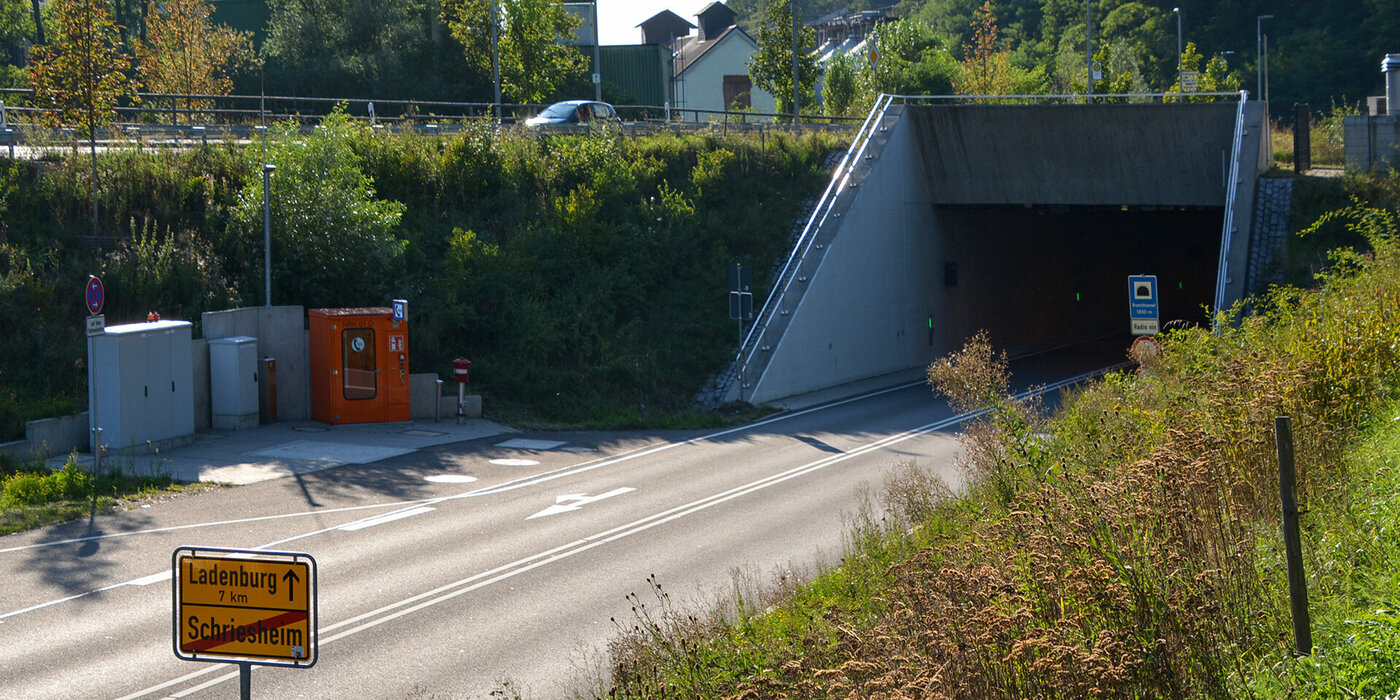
233	382
141	386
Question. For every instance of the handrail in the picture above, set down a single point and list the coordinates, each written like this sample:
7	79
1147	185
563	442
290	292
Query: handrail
820	213
1231	192
1098	97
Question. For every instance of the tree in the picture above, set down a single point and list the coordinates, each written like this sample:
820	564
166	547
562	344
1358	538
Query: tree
770	67
534	64
16	31
185	53
385	48
81	75
986	68
333	241
913	61
1215	78
839	88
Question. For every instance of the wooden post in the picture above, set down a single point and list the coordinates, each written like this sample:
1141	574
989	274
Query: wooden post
1292	544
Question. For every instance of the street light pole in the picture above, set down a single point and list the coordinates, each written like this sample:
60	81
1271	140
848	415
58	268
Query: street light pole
796	113
496	59
1177	11
1259	55
267	234
1089	44
597	69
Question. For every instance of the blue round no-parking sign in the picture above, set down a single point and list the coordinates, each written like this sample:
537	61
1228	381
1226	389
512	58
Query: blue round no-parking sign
95	295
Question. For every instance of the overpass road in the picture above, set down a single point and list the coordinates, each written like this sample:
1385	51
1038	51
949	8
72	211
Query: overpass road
449	571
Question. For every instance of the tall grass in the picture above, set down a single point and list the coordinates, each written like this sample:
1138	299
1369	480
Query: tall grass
1129	545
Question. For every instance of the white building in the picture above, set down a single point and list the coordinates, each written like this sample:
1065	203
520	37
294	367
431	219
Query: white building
710	72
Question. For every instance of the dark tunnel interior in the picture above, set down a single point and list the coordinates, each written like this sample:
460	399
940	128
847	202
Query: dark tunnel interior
1036	277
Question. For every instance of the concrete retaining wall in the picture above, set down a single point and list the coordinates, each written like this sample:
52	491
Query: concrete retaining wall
866	311
281	333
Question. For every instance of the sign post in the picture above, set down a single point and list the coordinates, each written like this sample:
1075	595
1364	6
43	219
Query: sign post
94	297
244	606
1142	304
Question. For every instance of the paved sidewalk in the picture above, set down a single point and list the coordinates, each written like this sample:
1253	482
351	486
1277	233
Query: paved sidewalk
285	449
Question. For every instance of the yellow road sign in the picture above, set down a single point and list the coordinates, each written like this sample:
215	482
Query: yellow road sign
245	605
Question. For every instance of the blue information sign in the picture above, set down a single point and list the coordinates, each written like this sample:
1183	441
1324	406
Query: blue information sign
1142	296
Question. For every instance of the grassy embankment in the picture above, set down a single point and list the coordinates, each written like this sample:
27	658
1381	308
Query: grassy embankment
1128	546
585	276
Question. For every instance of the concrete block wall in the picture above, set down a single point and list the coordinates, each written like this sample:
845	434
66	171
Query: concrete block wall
1371	142
281	333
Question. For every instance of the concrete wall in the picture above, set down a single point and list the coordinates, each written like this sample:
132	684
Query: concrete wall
202	415
1044	210
1136	155
50	437
866	311
281	333
1371	142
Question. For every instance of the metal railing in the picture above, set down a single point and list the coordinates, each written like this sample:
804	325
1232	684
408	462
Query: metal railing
1232	185
170	109
776	306
1112	98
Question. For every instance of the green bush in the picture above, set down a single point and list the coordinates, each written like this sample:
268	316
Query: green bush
32	488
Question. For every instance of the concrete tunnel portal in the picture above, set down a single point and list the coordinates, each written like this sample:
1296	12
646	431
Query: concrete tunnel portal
1021	220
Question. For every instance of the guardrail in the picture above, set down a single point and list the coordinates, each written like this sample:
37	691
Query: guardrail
171	109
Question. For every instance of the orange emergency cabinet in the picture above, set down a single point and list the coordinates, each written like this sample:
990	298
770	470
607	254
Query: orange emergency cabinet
359	365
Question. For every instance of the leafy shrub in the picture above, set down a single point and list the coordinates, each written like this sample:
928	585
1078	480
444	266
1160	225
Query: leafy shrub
333	241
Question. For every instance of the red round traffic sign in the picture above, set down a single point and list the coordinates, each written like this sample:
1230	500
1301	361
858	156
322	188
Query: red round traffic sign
95	295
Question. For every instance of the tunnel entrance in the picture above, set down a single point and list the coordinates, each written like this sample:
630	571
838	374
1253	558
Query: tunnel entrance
1024	220
1038	277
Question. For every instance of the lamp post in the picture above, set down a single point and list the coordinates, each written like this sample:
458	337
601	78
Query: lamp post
1089	45
267	233
1177	11
496	59
597	67
1259	67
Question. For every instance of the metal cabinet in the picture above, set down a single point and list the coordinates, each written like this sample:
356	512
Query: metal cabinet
234	382
141	386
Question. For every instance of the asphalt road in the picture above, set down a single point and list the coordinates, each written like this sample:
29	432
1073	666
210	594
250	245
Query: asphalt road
453	570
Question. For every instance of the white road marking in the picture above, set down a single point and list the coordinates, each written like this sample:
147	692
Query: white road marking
450	479
522	482
148	580
512	462
576	501
386	518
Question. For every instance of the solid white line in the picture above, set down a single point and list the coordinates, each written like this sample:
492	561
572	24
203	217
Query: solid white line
386	518
480	580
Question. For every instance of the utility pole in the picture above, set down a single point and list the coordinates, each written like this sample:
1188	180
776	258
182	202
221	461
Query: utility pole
1177	11
1259	68
796	110
496	59
1089	44
597	69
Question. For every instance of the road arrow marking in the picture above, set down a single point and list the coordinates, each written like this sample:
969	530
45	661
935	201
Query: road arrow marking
576	501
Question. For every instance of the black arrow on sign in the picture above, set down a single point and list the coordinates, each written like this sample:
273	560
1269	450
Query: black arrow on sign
290	578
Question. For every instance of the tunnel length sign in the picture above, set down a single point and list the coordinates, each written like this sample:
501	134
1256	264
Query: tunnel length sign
249	606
